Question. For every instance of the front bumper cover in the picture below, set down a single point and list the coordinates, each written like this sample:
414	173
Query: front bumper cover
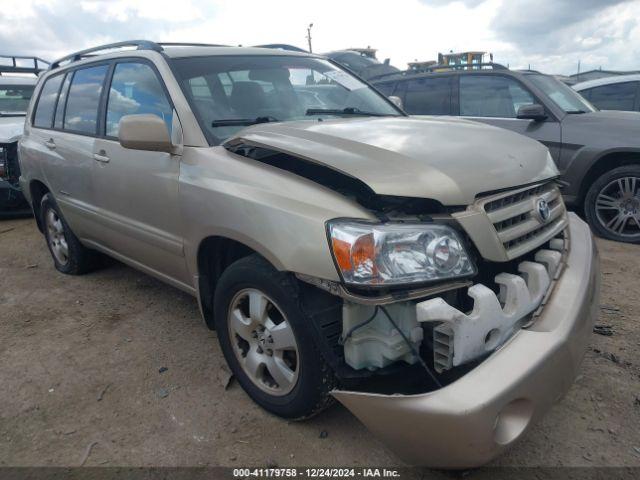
474	419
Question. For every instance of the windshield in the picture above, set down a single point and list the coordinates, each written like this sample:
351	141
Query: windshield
563	96
230	92
15	98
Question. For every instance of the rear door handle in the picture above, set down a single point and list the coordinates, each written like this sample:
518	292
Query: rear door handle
101	157
50	144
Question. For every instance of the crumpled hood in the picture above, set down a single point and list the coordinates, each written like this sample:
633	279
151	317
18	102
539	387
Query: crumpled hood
445	159
11	129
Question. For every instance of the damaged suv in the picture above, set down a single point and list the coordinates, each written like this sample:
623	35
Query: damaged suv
16	89
424	272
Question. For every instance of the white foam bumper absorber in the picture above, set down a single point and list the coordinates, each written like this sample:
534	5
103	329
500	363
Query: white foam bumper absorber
463	337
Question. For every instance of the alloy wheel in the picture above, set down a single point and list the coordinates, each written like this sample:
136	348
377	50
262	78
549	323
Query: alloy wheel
263	342
55	234
618	207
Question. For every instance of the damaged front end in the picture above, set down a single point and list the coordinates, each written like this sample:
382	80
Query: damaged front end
11	198
462	338
451	329
452	373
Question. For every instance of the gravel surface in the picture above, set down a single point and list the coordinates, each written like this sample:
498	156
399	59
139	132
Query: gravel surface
116	368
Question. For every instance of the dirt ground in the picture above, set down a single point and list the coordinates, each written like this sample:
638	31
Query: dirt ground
116	368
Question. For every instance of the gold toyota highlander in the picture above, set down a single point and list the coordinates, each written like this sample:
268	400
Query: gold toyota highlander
423	272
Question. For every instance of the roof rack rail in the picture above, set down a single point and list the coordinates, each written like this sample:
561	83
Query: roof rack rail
282	46
140	44
15	66
188	44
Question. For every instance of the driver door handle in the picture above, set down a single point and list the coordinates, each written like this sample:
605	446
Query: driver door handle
101	156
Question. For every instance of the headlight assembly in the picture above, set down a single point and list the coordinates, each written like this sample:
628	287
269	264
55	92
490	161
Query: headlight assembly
397	253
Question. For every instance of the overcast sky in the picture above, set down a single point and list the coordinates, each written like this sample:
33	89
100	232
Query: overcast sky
549	35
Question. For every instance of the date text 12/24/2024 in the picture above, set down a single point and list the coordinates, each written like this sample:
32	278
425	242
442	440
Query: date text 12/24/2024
316	472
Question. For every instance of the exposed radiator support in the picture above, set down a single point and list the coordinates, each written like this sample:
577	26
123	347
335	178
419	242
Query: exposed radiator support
461	337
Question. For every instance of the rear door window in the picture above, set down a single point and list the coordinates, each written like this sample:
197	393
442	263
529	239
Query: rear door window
81	114
136	89
616	96
428	96
43	117
492	96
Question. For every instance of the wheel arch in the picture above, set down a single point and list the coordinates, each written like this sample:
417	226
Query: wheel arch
607	161
37	190
215	254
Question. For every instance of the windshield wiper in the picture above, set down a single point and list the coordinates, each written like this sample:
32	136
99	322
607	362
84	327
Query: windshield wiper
344	111
576	112
12	114
241	122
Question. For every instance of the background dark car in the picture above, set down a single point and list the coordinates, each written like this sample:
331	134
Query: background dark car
365	66
597	152
619	92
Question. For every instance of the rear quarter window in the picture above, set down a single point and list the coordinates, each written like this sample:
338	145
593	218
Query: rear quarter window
46	105
61	101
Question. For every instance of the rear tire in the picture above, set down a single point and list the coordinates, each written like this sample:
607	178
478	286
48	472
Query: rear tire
266	339
69	255
612	204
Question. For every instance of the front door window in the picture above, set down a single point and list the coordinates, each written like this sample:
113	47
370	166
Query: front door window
492	96
135	89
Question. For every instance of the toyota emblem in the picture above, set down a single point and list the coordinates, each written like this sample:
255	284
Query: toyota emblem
542	209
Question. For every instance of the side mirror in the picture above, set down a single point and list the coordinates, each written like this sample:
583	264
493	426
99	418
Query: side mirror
397	101
144	132
534	112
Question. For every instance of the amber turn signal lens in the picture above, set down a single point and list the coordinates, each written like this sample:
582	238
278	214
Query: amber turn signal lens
364	253
342	252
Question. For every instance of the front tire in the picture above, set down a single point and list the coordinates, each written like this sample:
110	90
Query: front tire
69	255
612	204
264	335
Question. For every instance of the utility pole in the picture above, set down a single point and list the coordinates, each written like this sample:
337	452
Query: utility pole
309	36
578	75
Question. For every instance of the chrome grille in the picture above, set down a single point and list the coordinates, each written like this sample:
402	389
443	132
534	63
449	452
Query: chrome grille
512	218
514	198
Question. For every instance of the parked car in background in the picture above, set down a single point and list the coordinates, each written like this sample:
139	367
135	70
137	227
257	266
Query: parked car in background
597	152
333	242
612	93
362	61
16	90
364	65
